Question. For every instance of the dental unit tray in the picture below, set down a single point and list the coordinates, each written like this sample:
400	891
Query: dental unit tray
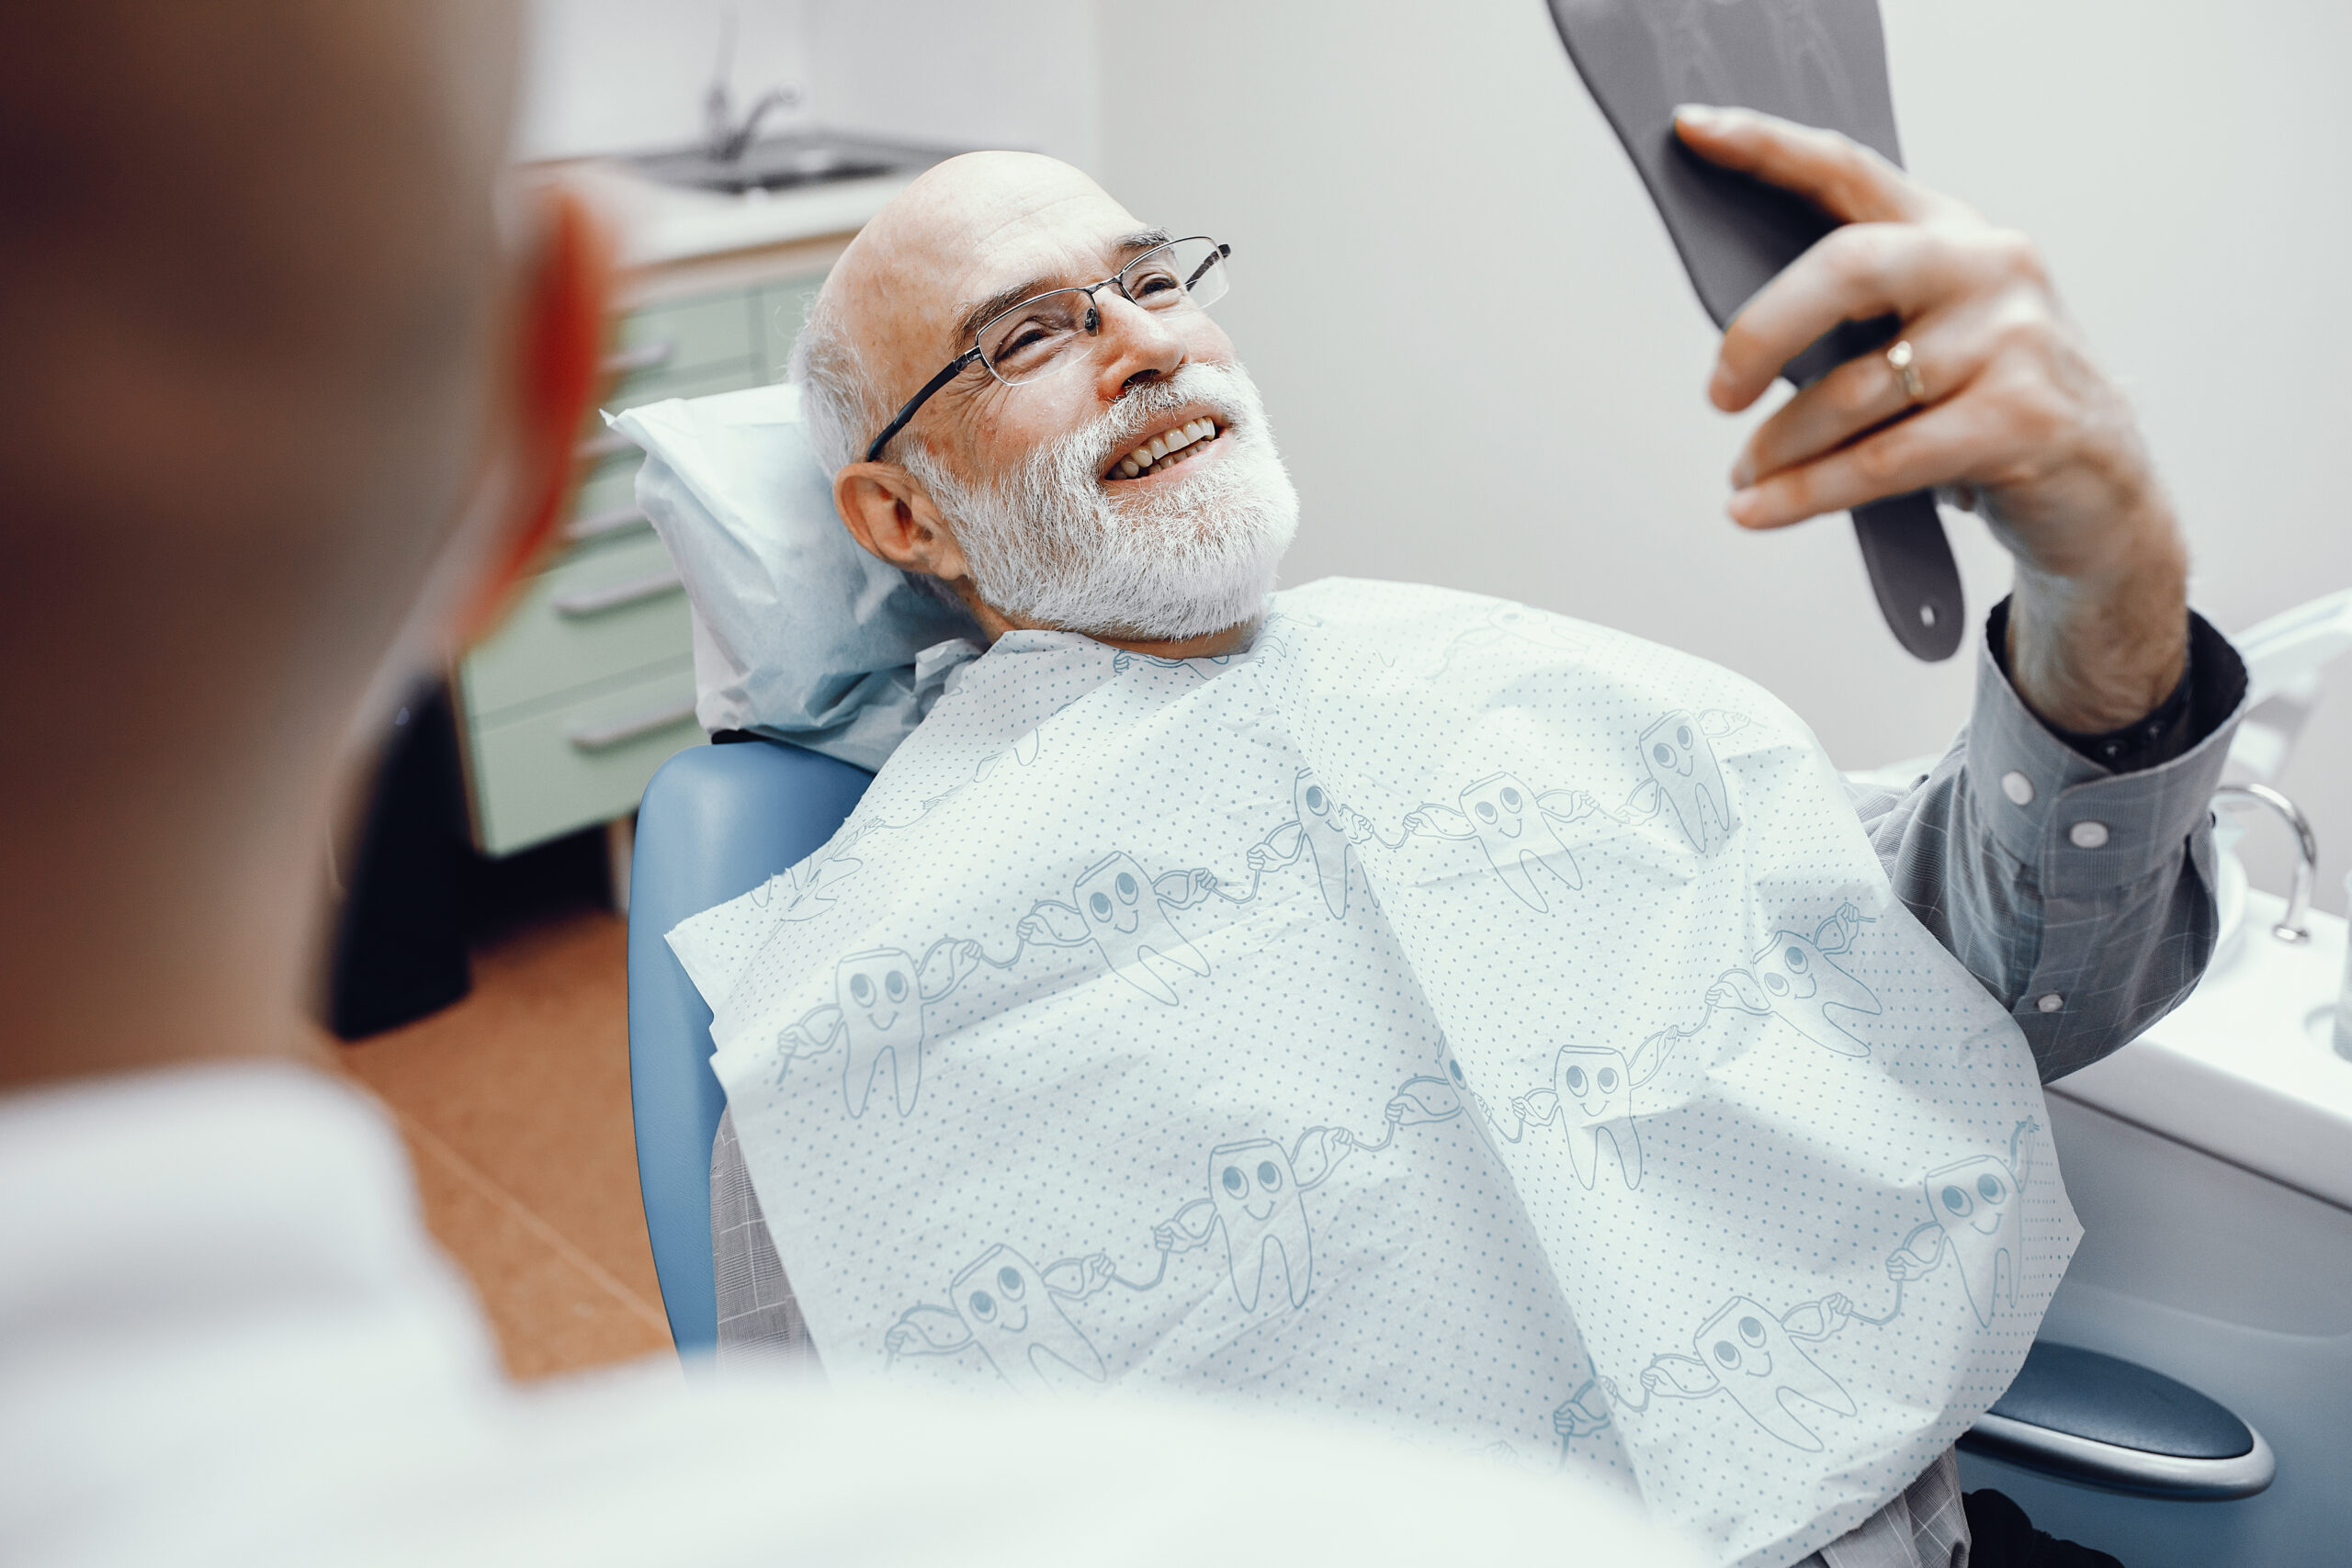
1821	63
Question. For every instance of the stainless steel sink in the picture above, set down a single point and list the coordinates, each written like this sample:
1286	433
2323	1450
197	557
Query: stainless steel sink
786	163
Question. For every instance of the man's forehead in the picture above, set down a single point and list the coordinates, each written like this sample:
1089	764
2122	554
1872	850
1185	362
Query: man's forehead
977	231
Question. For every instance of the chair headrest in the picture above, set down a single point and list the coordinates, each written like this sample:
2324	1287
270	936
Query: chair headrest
799	633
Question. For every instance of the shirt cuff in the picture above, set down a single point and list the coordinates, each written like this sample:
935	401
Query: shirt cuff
2085	828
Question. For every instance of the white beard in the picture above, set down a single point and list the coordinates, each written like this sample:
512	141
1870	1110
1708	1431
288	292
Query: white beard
1051	545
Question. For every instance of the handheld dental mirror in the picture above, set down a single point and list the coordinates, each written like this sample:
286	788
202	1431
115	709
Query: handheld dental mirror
1821	63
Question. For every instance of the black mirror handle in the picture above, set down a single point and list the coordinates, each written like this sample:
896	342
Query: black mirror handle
1821	63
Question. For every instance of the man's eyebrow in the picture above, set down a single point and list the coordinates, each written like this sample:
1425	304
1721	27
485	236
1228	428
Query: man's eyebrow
979	313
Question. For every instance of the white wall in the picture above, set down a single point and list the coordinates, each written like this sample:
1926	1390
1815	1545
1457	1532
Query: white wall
1482	357
629	75
954	73
1485	364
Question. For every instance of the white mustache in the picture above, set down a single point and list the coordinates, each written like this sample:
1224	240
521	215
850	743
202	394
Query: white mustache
1124	422
1050	544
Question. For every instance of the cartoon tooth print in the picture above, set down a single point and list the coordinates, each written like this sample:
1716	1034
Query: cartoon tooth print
1259	1203
1755	1362
1128	922
1257	1198
1760	1360
1011	1311
1125	914
1019	1326
1801	985
882	1013
1676	752
1975	1201
1325	841
1796	981
877	1013
1980	1212
1518	840
1322	829
1513	826
1594	1092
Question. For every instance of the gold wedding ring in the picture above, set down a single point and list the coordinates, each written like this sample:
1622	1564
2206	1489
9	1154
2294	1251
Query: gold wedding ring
1899	359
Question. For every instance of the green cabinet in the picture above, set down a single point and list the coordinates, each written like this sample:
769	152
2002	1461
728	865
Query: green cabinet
587	687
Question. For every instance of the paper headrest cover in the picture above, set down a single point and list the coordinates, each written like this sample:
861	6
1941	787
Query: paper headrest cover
799	633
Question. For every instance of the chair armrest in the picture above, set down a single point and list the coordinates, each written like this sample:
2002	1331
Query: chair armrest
2075	1415
715	821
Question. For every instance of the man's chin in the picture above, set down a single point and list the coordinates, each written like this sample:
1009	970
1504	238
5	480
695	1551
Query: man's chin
1170	556
1167	606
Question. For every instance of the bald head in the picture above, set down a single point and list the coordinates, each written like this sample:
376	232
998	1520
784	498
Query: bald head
901	300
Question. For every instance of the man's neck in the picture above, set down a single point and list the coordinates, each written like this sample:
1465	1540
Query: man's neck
1232	640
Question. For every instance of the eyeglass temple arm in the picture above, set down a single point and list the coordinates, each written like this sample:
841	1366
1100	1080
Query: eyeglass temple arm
1215	256
955	368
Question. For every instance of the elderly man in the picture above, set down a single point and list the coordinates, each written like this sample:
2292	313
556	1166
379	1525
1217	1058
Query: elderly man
1027	400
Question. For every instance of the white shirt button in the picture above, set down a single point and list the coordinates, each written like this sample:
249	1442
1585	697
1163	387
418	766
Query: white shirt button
2088	835
2049	1001
2018	787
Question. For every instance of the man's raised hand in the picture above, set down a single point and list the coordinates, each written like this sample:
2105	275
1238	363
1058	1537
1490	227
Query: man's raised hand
2010	406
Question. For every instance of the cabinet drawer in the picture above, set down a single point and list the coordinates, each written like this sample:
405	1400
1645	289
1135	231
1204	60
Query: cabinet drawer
687	334
586	761
605	503
603	612
782	307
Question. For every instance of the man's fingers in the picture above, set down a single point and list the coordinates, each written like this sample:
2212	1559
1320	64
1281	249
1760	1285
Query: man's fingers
1842	177
1932	447
1852	273
1864	393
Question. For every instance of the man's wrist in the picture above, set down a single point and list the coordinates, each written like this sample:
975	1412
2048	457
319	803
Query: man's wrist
2093	652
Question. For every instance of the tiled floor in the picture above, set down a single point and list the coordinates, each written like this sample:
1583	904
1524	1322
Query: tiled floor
515	1106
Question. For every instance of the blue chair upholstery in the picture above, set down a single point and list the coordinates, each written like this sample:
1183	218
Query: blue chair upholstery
715	822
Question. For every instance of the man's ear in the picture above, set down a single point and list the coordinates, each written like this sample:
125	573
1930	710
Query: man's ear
888	510
555	372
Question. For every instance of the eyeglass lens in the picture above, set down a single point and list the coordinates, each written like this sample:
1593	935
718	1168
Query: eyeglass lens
1040	336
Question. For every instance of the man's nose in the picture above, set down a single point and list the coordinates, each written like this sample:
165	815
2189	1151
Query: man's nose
1136	345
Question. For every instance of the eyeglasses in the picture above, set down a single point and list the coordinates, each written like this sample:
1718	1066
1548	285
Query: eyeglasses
1046	335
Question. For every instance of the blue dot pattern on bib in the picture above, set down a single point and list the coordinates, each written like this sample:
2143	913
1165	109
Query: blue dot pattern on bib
1446	1016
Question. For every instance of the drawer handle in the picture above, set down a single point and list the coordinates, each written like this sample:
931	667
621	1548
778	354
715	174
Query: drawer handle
596	448
596	525
620	731
636	591
644	357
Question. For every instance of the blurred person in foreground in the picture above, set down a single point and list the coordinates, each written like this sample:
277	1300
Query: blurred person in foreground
290	400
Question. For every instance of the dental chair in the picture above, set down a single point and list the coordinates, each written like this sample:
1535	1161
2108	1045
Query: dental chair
715	822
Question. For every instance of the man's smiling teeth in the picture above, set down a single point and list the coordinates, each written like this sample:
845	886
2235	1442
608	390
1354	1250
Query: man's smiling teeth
1165	451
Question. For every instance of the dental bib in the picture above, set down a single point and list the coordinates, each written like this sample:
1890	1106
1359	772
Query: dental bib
1443	1015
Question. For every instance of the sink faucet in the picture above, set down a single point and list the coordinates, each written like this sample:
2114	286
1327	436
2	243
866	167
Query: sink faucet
2292	926
725	145
723	139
